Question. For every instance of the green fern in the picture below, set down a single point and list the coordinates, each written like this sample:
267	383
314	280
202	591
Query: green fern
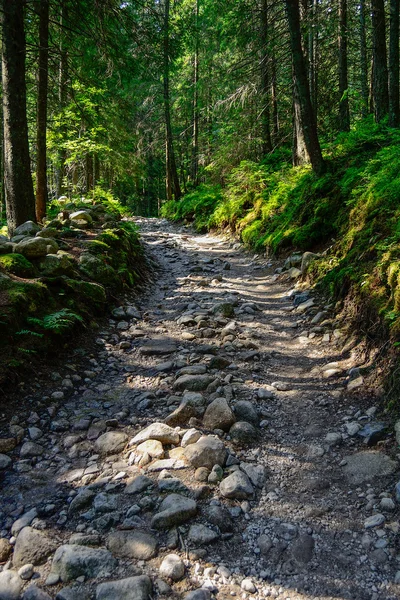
58	322
29	332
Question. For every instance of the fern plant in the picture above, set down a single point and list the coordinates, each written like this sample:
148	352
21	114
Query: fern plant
58	322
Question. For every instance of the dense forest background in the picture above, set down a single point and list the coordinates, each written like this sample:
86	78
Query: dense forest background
278	120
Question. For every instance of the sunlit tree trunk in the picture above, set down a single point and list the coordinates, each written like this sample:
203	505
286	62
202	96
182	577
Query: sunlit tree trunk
380	71
394	110
41	154
195	135
20	199
62	94
304	114
344	113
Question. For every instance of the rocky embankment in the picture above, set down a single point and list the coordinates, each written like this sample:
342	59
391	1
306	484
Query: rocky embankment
215	443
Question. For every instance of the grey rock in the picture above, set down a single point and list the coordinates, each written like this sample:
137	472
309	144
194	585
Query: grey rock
201	535
23	521
243	433
105	503
365	466
10	585
35	593
219	415
36	247
264	543
190	437
30	450
27	228
5	462
372	433
26	572
81	500
306	260
132	544
247	585
256	473
138	485
131	588
172	484
174	510
172	567
156	431
32	546
303	548
172	464
397	491
245	411
200	594
111	442
374	521
72	561
219	516
193	383
74	593
237	486
206	452
156	348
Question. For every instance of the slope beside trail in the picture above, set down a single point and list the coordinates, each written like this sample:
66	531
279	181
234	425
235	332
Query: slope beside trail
261	486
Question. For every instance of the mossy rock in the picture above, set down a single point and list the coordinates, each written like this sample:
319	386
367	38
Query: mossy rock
16	264
53	265
97	246
18	301
97	269
92	294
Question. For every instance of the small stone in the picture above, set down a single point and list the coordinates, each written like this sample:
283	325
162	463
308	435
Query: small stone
174	510
387	504
193	383
245	411
190	437
26	572
138	485
111	442
5	462
218	415
153	448
201	535
23	521
243	433
30	450
172	567
32	546
207	452
333	438
200	594
132	544
374	521
237	486
131	588
248	586
156	431
35	593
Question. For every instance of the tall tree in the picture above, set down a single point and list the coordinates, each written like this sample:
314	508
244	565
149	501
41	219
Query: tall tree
41	155
394	108
173	188
363	60
265	78
20	199
380	92
304	114
196	78
344	113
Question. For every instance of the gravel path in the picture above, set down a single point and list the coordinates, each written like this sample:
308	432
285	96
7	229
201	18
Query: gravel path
215	439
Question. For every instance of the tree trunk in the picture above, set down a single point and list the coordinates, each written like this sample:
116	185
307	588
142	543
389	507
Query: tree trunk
312	53
265	79
380	72
41	154
62	94
394	109
303	108
344	113
363	62
195	138
172	181
20	199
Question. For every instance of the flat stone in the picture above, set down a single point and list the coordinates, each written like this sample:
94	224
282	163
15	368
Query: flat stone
207	452
72	561
237	486
174	510
201	535
365	466
131	588
155	348
172	464
138	485
10	585
23	521
156	431
374	521
172	567
132	544
193	383
111	442
219	415
32	546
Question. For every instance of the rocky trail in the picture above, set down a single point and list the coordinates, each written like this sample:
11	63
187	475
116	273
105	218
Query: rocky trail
215	443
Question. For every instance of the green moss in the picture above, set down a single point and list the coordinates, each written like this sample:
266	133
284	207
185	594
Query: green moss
16	264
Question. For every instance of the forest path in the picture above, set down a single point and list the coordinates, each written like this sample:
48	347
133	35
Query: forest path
305	510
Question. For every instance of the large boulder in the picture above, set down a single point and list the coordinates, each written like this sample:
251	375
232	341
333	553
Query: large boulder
27	228
74	561
36	247
32	546
218	415
207	452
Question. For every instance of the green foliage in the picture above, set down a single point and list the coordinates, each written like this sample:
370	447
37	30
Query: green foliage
196	206
58	322
16	264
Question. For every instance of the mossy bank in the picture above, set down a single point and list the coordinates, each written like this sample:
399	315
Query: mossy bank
56	280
